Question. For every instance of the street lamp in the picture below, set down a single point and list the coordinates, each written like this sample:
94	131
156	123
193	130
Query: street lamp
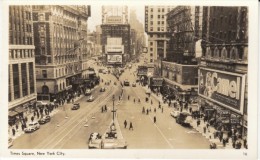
113	109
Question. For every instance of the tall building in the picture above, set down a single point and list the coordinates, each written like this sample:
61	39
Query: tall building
223	85
180	70
138	27
115	25
157	31
61	49
22	80
185	25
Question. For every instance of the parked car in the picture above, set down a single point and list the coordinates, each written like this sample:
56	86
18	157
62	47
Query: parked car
33	126
90	99
94	141
88	92
10	142
175	113
100	70
44	119
184	119
133	84
102	89
75	106
111	142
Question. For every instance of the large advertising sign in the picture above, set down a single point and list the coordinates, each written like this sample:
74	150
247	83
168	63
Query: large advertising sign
114	59
224	88
142	71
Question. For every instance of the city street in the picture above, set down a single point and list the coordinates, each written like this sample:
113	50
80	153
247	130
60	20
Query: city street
72	132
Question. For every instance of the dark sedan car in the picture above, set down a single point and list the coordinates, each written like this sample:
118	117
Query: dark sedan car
75	106
44	120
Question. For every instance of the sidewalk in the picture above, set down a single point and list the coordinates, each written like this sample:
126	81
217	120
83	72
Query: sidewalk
20	132
209	132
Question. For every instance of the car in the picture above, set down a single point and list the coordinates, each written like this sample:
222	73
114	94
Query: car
184	118
111	142
75	106
33	126
126	83
95	141
10	142
175	113
148	91
88	92
90	99
102	89
100	71
133	84
44	119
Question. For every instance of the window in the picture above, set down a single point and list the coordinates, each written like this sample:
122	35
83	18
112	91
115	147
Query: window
159	22
162	16
31	77
24	79
16	81
151	23
151	54
151	9
159	10
158	29
163	10
151	43
151	29
151	49
151	60
44	73
159	16
151	16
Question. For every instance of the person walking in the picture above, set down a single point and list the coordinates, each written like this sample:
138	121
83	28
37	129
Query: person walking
151	102
154	119
125	123
134	100
154	110
102	109
143	111
147	111
162	109
105	108
131	126
13	131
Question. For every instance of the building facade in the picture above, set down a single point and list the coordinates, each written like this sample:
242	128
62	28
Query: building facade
115	25
180	70
61	49
21	68
157	30
223	68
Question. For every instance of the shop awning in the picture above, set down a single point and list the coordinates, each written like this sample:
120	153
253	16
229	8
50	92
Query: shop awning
12	113
20	109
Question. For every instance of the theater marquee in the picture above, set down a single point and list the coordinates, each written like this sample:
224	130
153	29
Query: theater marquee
224	88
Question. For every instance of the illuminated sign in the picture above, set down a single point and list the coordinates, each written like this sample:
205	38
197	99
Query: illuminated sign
114	58
224	88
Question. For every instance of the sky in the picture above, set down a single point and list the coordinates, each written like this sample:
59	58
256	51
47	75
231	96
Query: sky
95	18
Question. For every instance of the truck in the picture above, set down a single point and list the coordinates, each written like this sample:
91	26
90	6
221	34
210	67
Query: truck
184	118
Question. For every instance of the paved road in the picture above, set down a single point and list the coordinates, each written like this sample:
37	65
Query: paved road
72	133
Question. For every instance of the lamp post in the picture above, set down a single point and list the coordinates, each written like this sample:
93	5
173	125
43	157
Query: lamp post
113	109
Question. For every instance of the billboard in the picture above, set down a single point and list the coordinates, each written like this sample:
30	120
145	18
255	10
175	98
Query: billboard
224	88
114	59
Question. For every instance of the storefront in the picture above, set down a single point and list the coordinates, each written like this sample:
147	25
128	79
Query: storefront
222	99
156	84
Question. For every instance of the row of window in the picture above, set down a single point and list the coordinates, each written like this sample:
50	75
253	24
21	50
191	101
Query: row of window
160	9
158	16
21	53
20	11
18	38
21	78
158	29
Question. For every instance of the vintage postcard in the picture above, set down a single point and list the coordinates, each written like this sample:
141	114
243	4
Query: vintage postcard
112	79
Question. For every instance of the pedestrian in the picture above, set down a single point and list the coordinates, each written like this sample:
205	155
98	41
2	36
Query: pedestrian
162	109
72	100
128	97
181	108
224	142
147	111
143	111
159	106
131	126
151	102
190	109
154	119
105	108
234	144
125	123
102	109
13	130
134	100
198	122
207	125
16	126
139	100
119	98
154	110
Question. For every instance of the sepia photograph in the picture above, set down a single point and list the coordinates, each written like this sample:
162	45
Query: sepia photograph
128	77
